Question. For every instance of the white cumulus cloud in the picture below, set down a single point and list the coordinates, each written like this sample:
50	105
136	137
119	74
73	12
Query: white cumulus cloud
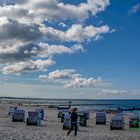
77	33
25	66
27	43
69	78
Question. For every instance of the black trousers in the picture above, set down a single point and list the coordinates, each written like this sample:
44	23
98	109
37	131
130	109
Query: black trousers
73	127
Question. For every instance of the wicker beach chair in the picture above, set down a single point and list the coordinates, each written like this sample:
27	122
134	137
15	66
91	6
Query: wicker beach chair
100	118
83	118
33	118
41	113
134	121
61	110
86	111
117	122
67	121
11	110
18	115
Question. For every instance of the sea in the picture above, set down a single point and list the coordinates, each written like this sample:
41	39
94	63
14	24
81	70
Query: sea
97	104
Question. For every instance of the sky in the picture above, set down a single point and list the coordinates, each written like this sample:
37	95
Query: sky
85	49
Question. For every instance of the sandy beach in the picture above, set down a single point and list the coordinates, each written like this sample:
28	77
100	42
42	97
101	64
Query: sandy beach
51	128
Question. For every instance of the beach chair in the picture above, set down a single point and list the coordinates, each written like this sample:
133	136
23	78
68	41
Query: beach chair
62	109
41	113
83	118
33	118
11	110
63	114
100	118
117	122
67	121
86	111
134	121
78	123
139	120
18	115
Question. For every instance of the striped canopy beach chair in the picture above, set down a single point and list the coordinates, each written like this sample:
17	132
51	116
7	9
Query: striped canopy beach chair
33	118
67	121
134	120
83	118
117	122
100	118
41	113
18	115
61	110
84	110
11	110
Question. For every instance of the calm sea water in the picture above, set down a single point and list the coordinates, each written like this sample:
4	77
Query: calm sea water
95	104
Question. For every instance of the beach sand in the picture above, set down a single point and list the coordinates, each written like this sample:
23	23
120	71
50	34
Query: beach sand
51	128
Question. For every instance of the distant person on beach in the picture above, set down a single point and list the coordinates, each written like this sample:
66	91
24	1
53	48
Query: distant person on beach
74	118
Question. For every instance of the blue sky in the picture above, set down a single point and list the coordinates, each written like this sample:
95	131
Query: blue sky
91	51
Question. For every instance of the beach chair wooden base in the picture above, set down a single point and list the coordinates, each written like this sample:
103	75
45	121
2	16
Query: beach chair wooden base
119	128
18	120
31	123
134	124
101	123
66	127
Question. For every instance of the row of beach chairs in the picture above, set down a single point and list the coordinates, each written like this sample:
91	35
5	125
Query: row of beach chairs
64	114
33	118
116	123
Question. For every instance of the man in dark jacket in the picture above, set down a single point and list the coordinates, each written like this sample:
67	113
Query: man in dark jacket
74	118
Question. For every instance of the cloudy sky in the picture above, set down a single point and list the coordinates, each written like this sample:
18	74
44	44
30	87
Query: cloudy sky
70	49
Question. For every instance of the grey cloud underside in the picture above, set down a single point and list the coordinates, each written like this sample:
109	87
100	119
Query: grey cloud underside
29	51
17	53
12	29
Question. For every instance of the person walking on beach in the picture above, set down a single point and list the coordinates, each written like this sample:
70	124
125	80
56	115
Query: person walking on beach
74	118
